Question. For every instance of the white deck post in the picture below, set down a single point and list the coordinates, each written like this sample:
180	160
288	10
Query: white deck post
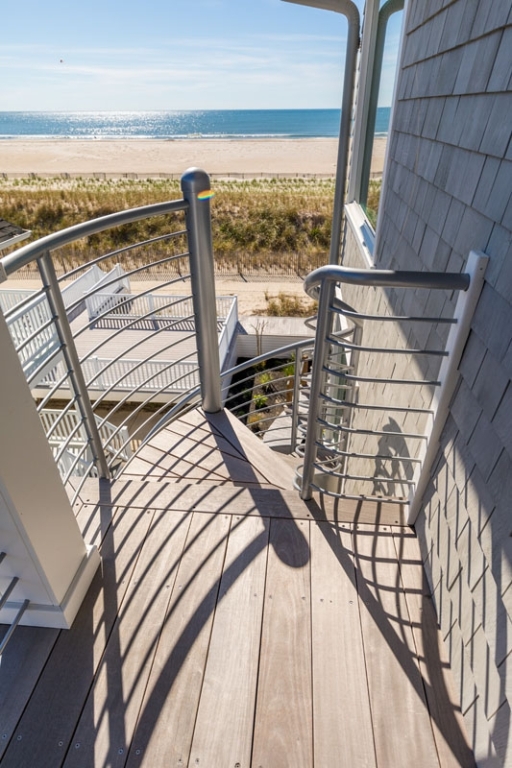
43	546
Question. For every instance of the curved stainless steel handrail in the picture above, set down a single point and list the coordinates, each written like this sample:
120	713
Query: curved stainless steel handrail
384	277
28	253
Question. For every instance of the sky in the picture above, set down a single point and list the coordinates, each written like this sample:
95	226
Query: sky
173	54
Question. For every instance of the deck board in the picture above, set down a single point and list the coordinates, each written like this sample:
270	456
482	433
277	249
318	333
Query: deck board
229	688
283	731
107	723
340	694
394	680
165	727
447	722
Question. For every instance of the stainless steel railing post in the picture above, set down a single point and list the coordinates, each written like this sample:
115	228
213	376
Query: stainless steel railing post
318	376
195	185
72	361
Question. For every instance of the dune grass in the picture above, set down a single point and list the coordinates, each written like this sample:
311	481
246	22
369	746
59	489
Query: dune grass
261	221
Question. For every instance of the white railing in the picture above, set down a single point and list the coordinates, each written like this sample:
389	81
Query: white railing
33	333
60	425
10	297
82	284
108	293
31	327
127	375
229	329
149	307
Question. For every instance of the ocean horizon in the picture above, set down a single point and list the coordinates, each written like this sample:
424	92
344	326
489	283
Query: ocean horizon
180	124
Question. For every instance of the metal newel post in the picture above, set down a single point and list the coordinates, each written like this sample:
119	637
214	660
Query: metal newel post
318	376
55	300
195	185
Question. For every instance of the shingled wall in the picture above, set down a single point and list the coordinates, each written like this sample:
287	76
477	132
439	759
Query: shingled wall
448	190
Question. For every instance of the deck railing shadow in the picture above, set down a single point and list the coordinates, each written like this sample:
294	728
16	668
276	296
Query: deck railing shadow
213	593
392	626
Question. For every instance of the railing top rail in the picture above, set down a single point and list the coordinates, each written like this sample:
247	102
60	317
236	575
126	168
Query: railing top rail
385	277
28	253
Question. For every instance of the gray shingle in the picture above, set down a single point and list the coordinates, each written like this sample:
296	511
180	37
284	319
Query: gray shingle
492	321
441	260
490	385
502	69
507	361
472	358
465	175
478	501
485	447
496	138
494	189
465	410
446	165
500	251
500	487
504	282
429	156
453	221
467	21
474	232
450	130
444	84
435	33
498	16
478	61
418	235
454	19
473	114
480	20
439	211
429	247
502	421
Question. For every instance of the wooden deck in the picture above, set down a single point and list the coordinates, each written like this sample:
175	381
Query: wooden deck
233	625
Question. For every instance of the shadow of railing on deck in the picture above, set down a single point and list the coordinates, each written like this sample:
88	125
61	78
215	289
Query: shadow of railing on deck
428	686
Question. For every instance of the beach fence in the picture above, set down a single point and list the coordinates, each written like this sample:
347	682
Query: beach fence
246	266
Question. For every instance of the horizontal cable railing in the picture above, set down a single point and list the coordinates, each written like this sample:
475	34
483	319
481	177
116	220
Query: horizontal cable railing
377	399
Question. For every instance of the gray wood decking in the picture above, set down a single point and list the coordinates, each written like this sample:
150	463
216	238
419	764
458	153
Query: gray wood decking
235	625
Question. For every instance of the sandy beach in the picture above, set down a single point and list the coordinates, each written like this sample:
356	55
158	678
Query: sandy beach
148	157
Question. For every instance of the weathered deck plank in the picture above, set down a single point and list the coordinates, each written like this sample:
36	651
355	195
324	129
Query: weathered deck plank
165	728
261	500
341	706
283	729
401	722
224	449
447	722
106	726
223	731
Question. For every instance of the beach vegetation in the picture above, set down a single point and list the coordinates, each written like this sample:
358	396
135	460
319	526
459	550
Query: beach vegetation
289	305
372	203
268	225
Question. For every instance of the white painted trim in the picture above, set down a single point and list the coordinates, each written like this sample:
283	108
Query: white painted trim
448	376
362	232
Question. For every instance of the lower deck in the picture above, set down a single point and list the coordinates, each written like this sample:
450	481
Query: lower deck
235	626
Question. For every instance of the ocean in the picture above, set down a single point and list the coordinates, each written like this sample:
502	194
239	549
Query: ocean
207	124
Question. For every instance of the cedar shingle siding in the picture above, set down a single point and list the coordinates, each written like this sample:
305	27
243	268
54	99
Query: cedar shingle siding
448	191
